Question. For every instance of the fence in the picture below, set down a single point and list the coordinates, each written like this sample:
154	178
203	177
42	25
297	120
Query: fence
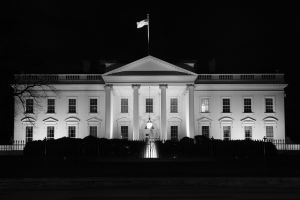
18	145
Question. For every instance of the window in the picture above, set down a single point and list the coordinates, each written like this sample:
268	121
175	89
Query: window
29	106
124	132
247	105
93	131
29	133
93	106
205	131
204	105
72	131
72	105
50	132
269	132
227	132
248	132
174	132
226	105
174	105
149	105
124	105
51	106
269	105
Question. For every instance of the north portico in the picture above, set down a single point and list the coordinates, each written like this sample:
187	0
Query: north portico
150	86
178	102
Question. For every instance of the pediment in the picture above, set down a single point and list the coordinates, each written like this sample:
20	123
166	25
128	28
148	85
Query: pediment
175	119
72	119
226	119
123	119
150	66
94	119
50	119
250	119
28	119
204	119
270	118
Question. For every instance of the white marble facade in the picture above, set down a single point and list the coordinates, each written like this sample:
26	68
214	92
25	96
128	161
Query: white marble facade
179	103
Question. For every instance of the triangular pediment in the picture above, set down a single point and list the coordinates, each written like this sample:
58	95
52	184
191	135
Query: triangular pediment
149	65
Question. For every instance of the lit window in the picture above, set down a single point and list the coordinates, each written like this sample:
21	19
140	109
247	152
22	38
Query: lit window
29	106
149	105
72	131
72	105
227	132
204	105
124	132
50	132
174	105
93	106
124	105
29	133
226	105
174	132
93	131
269	105
247	105
51	106
269	132
205	131
248	132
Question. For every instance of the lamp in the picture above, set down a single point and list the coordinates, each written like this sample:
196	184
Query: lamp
149	123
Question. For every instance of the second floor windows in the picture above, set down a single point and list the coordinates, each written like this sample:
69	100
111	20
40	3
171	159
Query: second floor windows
269	102
149	105
72	105
124	105
51	106
247	105
29	106
226	105
93	106
204	105
174	105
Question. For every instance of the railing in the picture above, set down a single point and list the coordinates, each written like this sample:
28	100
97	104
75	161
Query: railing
45	78
18	145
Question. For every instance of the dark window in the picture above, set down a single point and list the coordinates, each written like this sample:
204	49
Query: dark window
72	131
205	131
93	106
269	132
174	105
269	105
247	105
93	131
149	105
29	106
174	132
72	105
50	132
124	132
51	106
248	132
124	105
226	105
227	132
29	133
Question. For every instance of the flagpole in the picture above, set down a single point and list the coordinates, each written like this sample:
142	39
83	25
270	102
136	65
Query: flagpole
148	28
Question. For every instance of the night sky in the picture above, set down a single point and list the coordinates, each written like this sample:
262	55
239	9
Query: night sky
56	37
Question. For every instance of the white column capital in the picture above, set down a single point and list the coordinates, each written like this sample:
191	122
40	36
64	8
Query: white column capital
163	86
136	86
108	86
190	86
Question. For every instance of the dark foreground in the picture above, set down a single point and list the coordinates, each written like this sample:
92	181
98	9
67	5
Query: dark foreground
206	178
151	188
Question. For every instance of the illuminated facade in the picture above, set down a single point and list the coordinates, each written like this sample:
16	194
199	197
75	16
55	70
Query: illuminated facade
178	102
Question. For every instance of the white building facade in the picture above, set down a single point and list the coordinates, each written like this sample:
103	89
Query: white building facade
178	102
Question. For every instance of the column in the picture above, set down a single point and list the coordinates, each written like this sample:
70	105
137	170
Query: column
108	110
163	111
136	120
191	122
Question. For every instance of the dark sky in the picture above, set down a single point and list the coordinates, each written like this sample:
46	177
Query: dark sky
56	36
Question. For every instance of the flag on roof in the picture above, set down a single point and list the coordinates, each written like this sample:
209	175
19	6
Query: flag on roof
142	23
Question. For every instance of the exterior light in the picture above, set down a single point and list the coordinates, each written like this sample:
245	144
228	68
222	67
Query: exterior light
149	124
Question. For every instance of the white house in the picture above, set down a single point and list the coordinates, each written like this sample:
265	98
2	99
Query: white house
177	102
